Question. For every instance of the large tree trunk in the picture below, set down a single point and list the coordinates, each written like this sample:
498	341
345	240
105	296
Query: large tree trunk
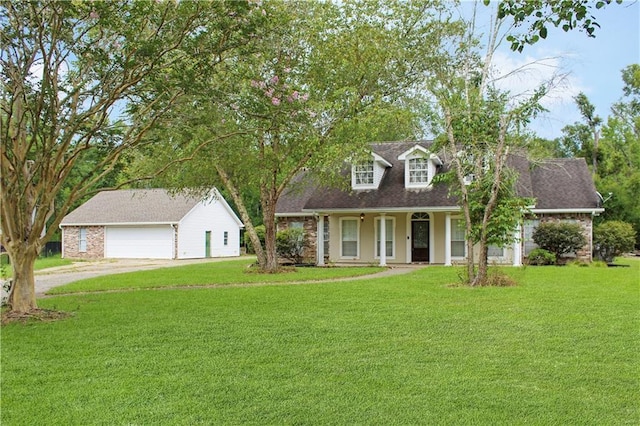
22	296
483	265
244	215
471	266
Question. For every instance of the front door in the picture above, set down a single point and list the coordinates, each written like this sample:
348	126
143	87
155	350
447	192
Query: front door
207	244
420	241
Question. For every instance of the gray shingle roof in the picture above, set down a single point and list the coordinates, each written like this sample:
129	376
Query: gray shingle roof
564	183
555	184
131	206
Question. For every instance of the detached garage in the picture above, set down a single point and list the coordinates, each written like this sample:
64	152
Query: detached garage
151	224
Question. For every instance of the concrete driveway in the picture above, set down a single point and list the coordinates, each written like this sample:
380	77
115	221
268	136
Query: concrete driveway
54	277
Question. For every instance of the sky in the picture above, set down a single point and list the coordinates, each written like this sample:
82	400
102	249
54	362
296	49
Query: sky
592	65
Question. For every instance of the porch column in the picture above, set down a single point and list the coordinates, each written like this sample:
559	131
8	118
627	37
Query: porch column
447	240
320	240
383	240
517	246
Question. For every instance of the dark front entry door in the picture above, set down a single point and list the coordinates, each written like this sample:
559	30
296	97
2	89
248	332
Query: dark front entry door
420	241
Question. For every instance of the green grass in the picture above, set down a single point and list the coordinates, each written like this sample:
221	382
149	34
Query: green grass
212	273
560	348
51	262
41	263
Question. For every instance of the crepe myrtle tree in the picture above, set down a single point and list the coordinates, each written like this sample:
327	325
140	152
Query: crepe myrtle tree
73	75
318	83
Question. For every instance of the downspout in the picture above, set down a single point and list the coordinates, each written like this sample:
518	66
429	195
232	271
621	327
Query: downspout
61	240
174	239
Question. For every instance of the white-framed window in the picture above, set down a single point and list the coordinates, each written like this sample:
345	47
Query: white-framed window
458	242
529	227
82	240
225	238
495	251
363	174
390	228
418	171
349	241
296	225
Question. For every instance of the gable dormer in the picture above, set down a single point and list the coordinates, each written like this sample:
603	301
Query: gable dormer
420	166
368	174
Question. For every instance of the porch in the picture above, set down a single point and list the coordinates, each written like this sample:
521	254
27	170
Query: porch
427	237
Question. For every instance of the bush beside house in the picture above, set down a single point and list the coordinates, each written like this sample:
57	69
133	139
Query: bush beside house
612	239
559	238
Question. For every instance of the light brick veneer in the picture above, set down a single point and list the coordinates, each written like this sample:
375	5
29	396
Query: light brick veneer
95	242
310	232
583	219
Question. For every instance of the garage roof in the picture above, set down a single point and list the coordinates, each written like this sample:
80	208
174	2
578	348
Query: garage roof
133	206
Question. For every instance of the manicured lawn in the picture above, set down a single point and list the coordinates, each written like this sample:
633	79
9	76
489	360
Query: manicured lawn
51	262
560	348
41	263
213	273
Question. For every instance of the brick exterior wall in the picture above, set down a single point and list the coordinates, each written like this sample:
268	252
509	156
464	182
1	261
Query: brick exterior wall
583	219
310	231
95	242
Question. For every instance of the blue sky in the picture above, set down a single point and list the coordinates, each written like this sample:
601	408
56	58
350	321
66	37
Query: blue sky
591	65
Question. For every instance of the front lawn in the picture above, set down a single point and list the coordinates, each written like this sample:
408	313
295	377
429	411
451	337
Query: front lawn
209	273
560	348
41	263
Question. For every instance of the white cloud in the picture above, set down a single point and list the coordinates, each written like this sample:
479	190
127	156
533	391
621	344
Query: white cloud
521	74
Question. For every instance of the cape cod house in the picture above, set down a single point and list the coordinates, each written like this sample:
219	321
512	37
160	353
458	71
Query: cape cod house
422	222
151	224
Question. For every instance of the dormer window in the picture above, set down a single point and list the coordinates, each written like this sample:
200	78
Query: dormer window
419	171
420	167
368	174
363	173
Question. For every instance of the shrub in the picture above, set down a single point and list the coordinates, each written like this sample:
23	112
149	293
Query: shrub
612	239
290	244
497	278
559	237
541	257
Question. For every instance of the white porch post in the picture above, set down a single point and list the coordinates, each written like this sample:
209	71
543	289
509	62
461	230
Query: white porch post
517	246
447	240
320	240
383	240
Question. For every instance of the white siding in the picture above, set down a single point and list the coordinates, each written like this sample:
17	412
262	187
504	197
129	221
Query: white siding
211	215
139	242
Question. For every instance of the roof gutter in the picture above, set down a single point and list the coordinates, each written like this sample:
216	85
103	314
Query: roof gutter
118	224
382	210
593	211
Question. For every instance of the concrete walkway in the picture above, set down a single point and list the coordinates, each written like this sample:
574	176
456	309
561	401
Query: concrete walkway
61	275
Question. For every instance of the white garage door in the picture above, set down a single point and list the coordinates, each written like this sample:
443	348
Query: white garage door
153	242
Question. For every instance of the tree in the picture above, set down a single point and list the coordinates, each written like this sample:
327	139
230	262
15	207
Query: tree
538	14
619	169
559	237
305	94
587	110
480	128
74	73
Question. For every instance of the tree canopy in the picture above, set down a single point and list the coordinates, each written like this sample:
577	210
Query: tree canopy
317	83
74	74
